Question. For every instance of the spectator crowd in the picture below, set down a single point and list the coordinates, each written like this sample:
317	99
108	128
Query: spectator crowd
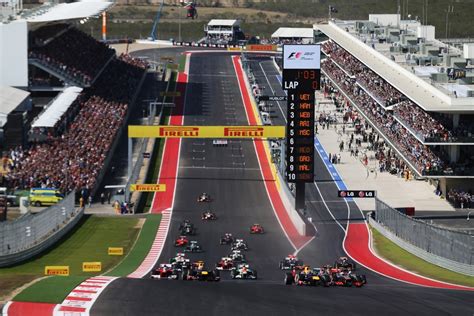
460	198
74	155
74	53
423	158
427	126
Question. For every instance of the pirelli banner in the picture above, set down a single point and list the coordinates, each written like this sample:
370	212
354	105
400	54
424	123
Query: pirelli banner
139	131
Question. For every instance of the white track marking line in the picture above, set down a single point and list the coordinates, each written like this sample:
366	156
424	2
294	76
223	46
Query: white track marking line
273	91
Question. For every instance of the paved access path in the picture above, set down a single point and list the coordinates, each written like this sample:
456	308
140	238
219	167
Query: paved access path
393	190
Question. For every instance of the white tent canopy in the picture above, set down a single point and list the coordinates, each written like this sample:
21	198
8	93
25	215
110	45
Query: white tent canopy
217	22
10	98
57	108
68	11
294	32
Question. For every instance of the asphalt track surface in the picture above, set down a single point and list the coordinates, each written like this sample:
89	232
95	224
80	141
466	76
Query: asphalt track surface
213	98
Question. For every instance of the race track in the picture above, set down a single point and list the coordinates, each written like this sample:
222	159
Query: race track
232	176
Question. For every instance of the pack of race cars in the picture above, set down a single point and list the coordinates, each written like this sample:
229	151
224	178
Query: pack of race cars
181	268
341	273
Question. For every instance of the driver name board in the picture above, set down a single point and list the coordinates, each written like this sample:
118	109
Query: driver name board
301	77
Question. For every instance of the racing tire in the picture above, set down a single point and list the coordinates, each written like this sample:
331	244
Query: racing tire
289	279
37	204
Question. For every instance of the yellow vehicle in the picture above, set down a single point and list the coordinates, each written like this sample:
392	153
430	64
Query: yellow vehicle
44	196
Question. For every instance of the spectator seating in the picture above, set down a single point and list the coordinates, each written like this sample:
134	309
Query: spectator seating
75	53
75	158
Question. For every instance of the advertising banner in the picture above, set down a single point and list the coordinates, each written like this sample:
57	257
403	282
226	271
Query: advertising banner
56	270
139	131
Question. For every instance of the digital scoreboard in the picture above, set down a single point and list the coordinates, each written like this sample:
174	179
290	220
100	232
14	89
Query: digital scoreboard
301	78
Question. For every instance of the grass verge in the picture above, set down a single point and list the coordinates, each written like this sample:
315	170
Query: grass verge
140	249
88	241
393	253
51	290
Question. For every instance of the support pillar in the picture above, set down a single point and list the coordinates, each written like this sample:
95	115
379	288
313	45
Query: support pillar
300	196
129	154
455	120
454	152
282	158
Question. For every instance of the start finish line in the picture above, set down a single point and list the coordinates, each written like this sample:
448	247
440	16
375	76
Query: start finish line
167	131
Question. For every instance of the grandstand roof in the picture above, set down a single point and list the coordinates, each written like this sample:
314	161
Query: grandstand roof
421	92
10	98
219	22
57	108
293	32
69	11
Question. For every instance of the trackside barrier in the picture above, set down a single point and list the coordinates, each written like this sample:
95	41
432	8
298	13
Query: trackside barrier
31	234
289	202
449	249
285	194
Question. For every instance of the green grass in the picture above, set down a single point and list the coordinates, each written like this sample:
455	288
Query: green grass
181	63
88	241
390	251
141	248
51	290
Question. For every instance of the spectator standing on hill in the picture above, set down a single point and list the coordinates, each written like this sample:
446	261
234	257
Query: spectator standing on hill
89	200
81	202
102	198
109	196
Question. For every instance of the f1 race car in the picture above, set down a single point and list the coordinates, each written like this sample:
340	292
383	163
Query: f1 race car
256	229
345	263
291	262
186	228
180	260
341	277
204	197
193	246
237	256
308	277
185	223
227	239
166	271
225	263
199	273
239	244
243	271
181	241
208	216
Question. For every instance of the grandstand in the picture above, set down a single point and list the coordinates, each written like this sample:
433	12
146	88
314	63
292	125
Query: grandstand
223	32
90	90
416	91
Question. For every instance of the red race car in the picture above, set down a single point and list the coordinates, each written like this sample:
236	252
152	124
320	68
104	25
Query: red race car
181	241
165	271
256	229
225	263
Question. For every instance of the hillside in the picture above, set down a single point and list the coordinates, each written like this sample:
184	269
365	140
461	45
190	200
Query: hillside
309	11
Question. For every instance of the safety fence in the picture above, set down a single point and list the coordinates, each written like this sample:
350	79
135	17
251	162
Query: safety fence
453	250
32	233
